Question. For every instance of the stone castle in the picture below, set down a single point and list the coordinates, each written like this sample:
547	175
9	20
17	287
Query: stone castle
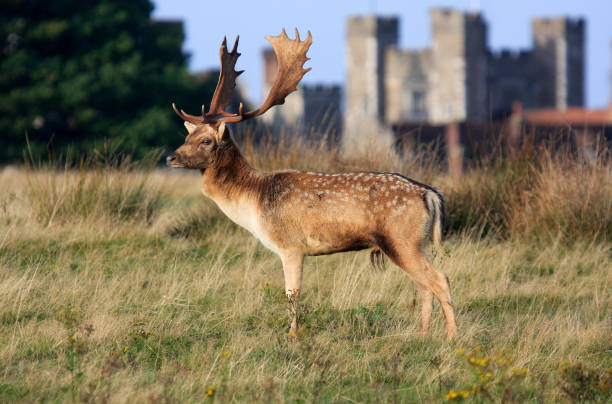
313	110
458	78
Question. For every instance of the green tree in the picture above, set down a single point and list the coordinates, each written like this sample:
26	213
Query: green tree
77	72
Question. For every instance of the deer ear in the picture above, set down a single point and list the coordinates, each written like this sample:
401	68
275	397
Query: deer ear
190	126
222	132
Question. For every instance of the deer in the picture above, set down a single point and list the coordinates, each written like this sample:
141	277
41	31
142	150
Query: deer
302	213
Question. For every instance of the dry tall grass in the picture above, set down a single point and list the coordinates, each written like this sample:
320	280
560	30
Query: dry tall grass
550	196
103	186
172	302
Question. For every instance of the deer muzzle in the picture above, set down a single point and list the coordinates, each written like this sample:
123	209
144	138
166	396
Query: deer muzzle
172	161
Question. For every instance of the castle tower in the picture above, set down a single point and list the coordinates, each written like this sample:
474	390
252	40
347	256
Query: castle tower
459	65
270	66
559	54
366	40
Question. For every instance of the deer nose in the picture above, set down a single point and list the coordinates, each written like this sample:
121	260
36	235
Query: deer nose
171	158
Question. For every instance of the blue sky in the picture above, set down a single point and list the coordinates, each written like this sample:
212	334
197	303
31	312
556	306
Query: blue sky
509	23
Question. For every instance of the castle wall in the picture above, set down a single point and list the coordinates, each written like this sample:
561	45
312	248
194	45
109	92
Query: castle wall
322	115
511	77
406	85
291	114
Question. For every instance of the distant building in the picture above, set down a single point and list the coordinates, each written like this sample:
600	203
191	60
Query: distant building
367	39
313	110
459	78
586	125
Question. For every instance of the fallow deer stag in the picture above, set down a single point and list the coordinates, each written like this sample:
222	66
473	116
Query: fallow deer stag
296	213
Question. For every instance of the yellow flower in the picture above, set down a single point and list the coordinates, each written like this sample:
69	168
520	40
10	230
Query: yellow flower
292	334
126	348
226	353
452	394
479	362
460	351
486	376
521	371
211	390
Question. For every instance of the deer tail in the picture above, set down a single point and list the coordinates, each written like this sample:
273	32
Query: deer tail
436	206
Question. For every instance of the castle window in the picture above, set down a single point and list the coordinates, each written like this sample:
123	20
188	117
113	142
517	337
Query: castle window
418	103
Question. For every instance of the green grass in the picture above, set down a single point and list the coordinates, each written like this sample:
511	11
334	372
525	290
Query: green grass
181	305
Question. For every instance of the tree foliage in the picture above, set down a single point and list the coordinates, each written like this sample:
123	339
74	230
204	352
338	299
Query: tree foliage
74	73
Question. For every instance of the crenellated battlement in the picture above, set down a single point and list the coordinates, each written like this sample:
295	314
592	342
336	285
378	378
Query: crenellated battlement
459	78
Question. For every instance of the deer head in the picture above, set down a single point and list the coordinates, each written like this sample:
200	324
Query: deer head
208	136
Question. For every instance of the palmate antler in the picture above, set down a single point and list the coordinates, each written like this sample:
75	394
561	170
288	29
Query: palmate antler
291	56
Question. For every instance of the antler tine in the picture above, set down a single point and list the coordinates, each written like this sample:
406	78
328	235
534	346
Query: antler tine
227	82
235	48
291	56
175	108
197	120
192	117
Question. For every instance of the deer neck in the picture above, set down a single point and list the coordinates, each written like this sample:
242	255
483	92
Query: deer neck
231	179
233	185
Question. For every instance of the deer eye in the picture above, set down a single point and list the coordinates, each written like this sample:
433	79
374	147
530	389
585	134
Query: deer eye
205	142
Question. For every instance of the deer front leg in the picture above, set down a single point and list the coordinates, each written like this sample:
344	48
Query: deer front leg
292	267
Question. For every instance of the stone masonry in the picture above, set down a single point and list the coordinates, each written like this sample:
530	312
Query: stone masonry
459	78
313	110
367	38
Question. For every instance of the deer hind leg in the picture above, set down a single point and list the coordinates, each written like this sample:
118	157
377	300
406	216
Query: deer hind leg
430	282
426	307
292	267
441	288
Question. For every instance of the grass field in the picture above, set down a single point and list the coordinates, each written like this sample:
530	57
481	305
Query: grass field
123	284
